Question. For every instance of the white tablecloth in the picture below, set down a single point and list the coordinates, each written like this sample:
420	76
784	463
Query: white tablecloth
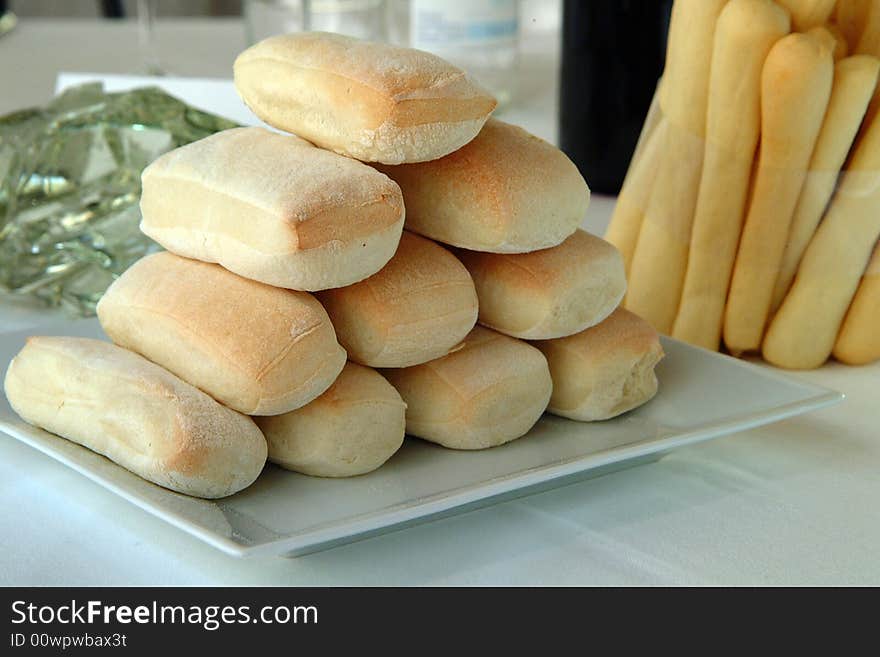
794	502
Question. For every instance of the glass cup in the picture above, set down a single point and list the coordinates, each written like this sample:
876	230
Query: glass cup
364	19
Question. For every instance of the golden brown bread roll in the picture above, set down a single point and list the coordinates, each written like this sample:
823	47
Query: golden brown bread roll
272	208
258	349
136	414
548	293
489	392
351	429
371	101
417	308
603	371
505	192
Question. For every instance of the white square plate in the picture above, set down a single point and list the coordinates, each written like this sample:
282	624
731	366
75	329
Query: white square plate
702	395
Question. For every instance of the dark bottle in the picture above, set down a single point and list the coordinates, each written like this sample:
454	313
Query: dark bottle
612	56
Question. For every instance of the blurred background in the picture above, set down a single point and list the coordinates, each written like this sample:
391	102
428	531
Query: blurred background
579	74
483	36
590	65
115	8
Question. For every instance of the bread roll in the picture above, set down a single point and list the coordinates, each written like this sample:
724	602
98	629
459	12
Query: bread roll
549	293
136	414
352	429
272	208
505	192
258	349
421	305
858	342
487	393
603	371
371	101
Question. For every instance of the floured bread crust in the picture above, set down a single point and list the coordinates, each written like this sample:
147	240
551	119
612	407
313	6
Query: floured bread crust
135	413
273	208
258	349
506	191
351	429
603	371
417	308
370	101
549	293
488	392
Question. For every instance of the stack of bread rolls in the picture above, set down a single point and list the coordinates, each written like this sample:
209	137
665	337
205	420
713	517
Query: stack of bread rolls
292	317
751	210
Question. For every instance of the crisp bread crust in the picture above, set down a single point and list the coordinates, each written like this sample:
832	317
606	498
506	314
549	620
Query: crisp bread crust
604	371
491	390
135	413
273	208
417	308
506	191
351	429
258	349
548	293
370	101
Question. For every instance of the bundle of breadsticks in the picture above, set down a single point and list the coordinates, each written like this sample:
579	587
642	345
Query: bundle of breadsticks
319	294
752	206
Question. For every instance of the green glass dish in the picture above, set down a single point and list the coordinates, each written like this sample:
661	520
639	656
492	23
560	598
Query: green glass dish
70	181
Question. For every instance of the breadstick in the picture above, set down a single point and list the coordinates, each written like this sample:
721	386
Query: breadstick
854	81
808	13
850	16
652	120
841	47
795	88
683	94
626	221
859	339
869	39
746	31
803	332
871	112
660	256
833	38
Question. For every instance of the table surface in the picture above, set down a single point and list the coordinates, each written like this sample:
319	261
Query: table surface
790	503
